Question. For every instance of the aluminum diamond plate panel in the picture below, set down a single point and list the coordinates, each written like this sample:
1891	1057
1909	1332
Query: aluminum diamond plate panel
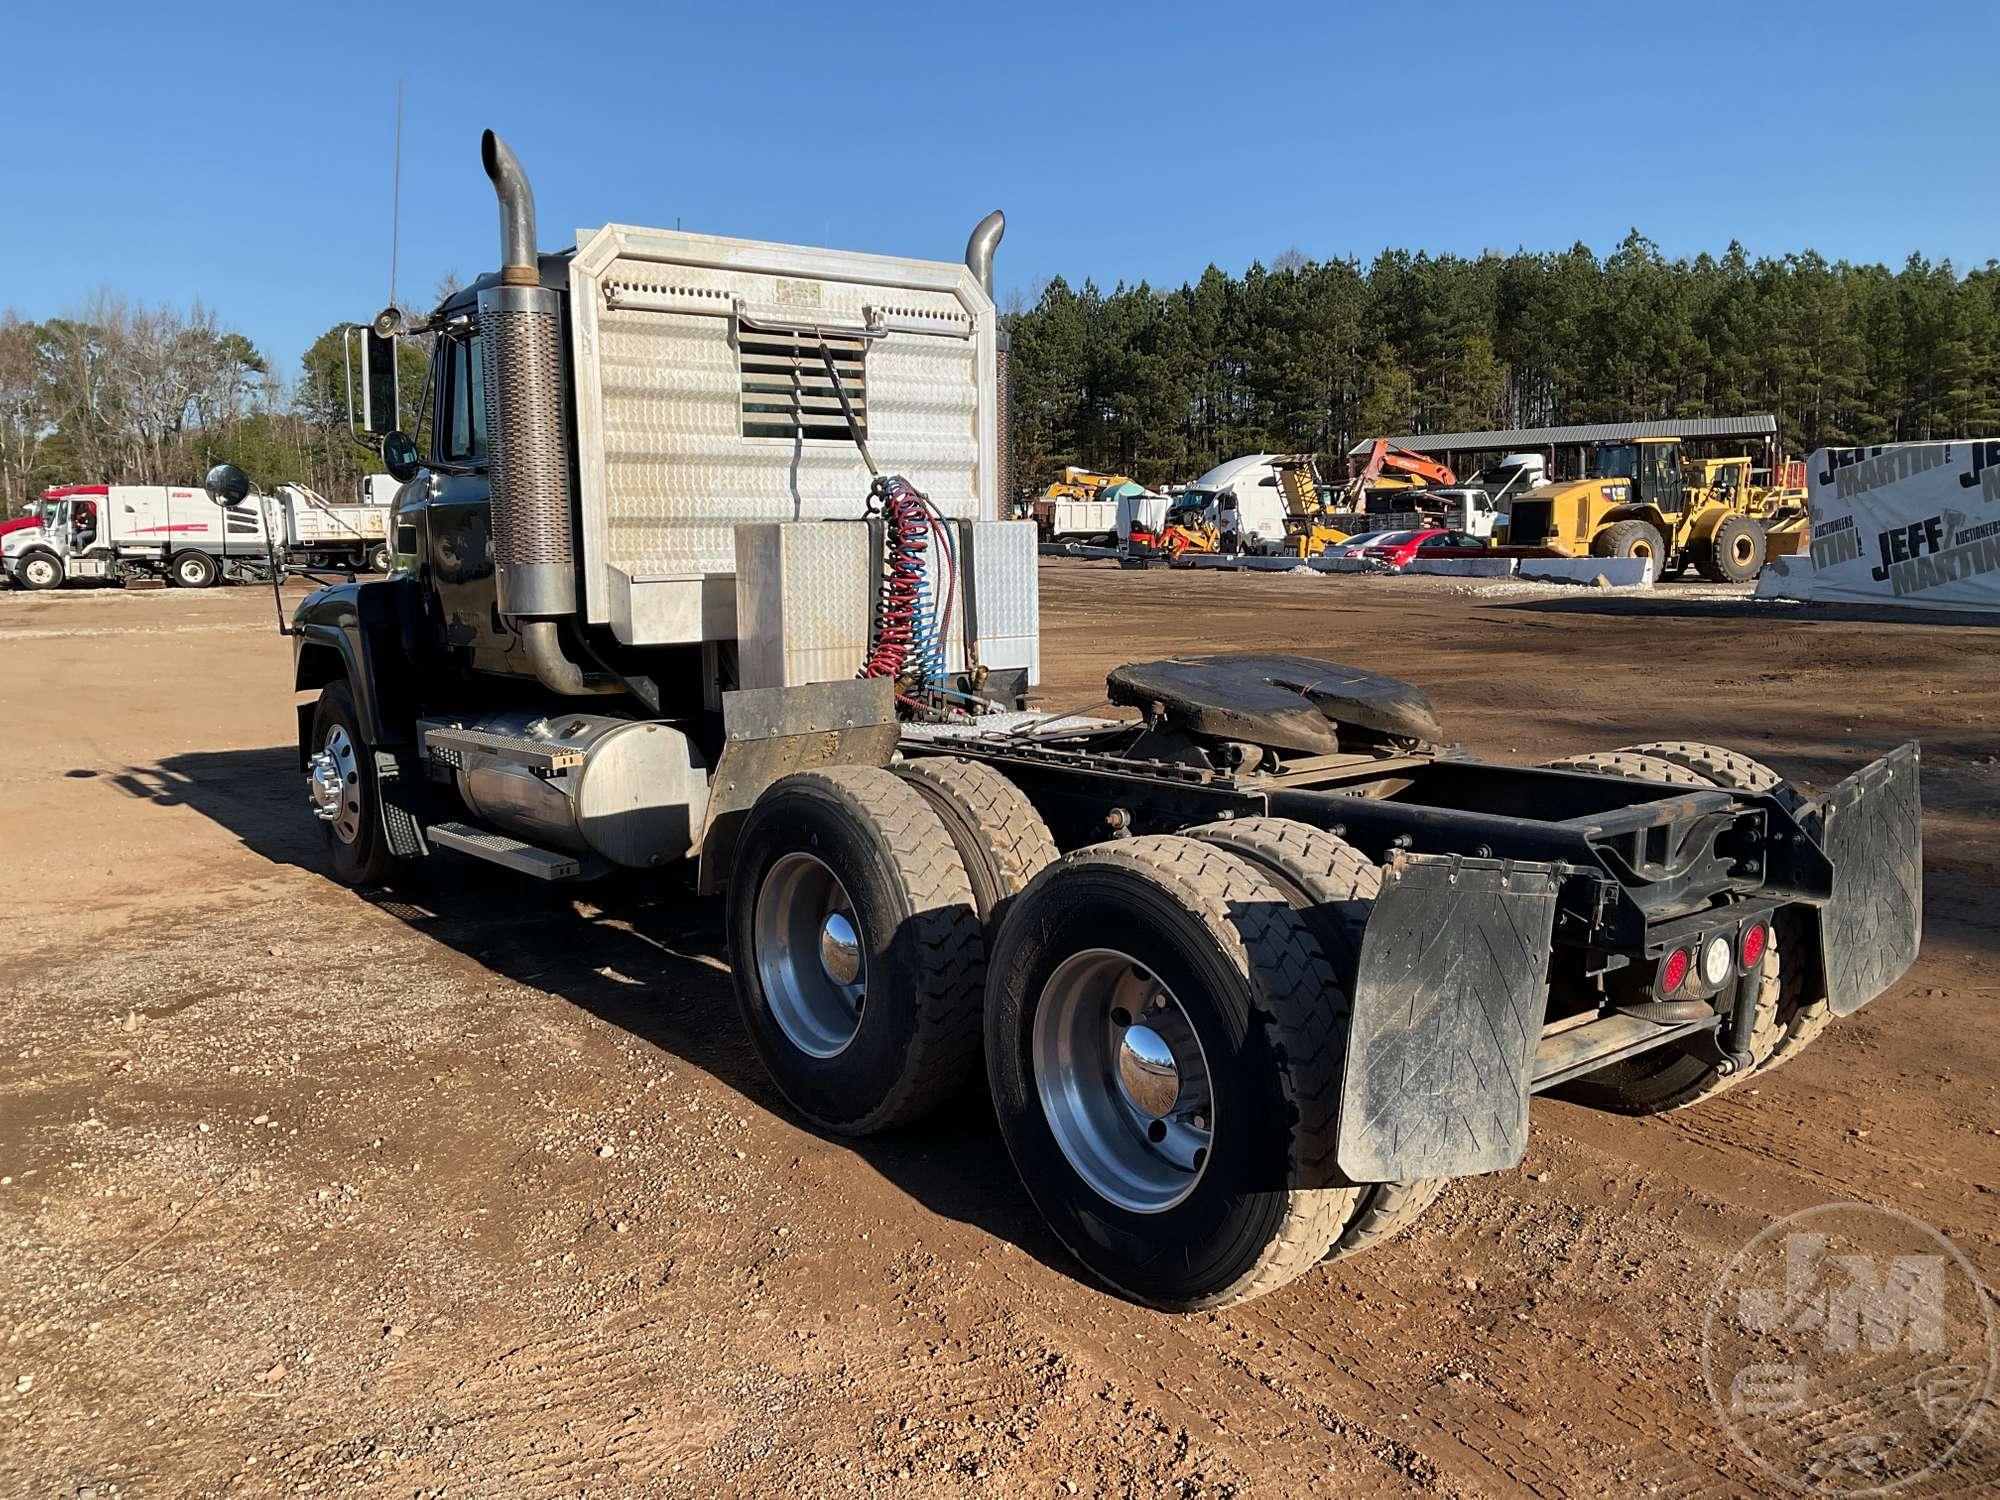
666	472
1002	595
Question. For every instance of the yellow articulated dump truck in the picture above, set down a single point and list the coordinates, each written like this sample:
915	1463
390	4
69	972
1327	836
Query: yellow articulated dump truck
1642	500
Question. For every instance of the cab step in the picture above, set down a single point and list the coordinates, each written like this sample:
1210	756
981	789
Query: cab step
512	853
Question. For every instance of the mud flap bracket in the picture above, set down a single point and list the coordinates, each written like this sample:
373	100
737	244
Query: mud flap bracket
1449	1002
1872	832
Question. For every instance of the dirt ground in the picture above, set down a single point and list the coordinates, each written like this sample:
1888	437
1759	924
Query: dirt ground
475	1189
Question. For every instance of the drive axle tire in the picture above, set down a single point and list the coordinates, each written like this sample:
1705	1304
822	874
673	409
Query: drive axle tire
40	570
1732	769
1332	885
1164	1040
1632	764
1667	1077
1804	1014
1385	1211
1631	539
342	781
1734	551
999	835
192	570
856	952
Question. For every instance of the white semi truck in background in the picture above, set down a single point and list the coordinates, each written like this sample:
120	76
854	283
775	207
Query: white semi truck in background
113	532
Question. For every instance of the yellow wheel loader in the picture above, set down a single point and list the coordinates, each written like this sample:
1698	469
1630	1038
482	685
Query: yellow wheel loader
1638	502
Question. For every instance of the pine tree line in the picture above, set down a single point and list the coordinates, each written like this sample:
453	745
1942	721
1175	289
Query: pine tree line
1315	356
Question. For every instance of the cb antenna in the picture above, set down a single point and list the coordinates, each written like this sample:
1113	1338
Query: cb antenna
396	195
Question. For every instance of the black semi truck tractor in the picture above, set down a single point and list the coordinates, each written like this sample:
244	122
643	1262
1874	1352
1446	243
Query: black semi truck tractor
702	565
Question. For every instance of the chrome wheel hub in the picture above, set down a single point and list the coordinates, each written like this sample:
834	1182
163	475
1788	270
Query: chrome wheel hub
333	785
1123	1080
810	962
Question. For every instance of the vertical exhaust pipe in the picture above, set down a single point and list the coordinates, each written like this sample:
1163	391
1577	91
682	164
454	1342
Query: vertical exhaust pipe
527	422
979	260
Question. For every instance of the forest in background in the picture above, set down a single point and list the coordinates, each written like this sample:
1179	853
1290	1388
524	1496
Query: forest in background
122	394
1314	356
1164	383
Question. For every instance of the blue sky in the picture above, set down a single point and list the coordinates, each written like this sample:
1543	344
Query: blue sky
241	154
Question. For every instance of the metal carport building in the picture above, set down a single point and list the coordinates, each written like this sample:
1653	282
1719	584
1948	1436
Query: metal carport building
1451	445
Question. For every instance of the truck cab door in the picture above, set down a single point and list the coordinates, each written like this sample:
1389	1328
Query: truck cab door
457	537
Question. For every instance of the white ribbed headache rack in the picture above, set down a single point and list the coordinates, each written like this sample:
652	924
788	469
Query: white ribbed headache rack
703	403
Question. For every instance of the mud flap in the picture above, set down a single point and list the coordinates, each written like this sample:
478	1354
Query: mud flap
1448	1008
772	732
1872	832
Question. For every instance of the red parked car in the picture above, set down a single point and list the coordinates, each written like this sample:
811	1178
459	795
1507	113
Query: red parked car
1398	549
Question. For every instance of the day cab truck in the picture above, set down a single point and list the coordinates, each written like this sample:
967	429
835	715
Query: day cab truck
703	572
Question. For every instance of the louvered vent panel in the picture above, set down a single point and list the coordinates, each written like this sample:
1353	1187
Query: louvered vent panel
787	392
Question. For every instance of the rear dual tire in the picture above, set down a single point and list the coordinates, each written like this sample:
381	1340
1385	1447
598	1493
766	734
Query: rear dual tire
1164	1030
1240	1195
859	959
1332	885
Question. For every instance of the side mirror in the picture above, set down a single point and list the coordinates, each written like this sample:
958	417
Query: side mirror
227	485
399	456
381	404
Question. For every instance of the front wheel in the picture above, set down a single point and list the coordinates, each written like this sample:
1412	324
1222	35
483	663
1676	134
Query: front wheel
379	559
194	570
40	570
342	790
1163	1041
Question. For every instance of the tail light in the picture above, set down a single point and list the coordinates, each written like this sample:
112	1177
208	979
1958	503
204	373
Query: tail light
1756	937
1674	971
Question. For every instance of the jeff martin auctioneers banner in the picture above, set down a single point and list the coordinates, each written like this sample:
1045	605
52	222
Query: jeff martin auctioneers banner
1911	524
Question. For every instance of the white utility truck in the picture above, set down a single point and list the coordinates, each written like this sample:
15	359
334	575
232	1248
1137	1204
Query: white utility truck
703	570
113	532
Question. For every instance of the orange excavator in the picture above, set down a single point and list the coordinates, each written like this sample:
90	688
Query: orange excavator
1405	470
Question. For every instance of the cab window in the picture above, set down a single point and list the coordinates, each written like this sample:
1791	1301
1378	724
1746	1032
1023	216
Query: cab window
464	426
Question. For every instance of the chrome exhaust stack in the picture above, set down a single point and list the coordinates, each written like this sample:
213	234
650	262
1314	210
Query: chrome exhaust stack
979	260
527	424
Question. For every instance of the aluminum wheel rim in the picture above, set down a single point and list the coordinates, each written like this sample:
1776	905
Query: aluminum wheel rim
39	570
810	960
1123	1081
346	765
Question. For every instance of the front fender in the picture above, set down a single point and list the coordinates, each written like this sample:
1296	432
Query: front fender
354	630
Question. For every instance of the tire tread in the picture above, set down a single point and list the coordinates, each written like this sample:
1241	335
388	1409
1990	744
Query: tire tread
945	1049
996	814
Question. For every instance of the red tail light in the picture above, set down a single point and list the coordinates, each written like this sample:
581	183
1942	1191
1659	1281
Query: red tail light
1674	971
1755	940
